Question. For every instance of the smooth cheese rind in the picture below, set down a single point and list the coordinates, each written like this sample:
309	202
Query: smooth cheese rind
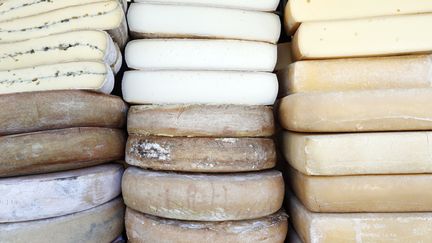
146	228
100	224
359	227
358	111
193	54
200	154
380	36
101	16
355	74
58	194
203	197
49	151
300	11
201	120
359	153
94	76
180	21
199	87
257	5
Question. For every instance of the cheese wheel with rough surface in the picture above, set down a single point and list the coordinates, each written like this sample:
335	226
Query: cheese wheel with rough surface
146	228
100	224
201	120
203	197
201	154
199	87
193	54
51	195
58	150
258	5
180	21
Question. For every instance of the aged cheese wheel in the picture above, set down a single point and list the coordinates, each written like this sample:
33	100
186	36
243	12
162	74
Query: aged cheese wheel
56	194
201	120
203	197
57	150
100	15
376	110
379	36
181	21
36	111
146	228
100	224
360	227
363	193
359	153
257	5
199	87
201	154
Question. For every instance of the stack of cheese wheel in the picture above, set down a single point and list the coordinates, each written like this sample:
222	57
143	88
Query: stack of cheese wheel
199	141
359	117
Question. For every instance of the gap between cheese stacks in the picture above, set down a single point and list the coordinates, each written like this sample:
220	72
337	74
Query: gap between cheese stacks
257	5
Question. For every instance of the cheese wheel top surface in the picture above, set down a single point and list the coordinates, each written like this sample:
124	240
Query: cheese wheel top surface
258	5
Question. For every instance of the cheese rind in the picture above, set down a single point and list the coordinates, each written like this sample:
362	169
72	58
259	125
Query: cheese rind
380	36
193	54
201	120
359	153
201	154
199	87
44	196
257	5
177	21
355	111
49	151
100	224
146	228
203	197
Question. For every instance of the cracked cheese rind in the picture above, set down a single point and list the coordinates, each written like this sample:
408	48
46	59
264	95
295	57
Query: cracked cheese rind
257	5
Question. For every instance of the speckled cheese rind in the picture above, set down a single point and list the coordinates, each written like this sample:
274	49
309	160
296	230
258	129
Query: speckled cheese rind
49	151
180	21
101	15
146	228
359	153
200	154
100	224
51	195
193	54
203	197
257	5
201	120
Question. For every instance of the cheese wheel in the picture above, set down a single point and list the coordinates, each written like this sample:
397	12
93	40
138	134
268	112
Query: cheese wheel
57	150
100	15
203	197
95	76
119	61
363	193
193	54
36	111
199	87
359	153
354	74
284	56
201	120
201	154
377	110
360	227
380	36
100	224
258	5
57	194
146	228
180	21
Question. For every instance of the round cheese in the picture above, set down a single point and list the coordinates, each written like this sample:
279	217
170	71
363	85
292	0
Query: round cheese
258	5
203	197
56	194
201	120
145	228
57	150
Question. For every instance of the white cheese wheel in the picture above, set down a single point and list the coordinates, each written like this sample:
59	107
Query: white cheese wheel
180	21
57	194
146	228
258	5
203	197
100	224
199	87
